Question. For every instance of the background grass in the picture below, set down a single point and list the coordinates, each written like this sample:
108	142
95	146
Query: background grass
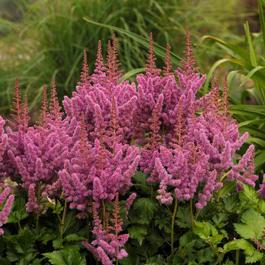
49	38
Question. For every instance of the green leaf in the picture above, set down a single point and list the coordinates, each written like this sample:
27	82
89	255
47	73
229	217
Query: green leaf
207	232
251	74
19	212
157	260
262	20
252	255
252	225
55	258
260	159
143	210
132	73
252	53
57	243
73	237
159	50
140	182
213	68
69	256
183	219
138	232
250	198
204	229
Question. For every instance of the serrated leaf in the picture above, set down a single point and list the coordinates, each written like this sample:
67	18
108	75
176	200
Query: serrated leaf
143	210
252	254
252	225
204	229
66	257
208	232
57	243
251	199
250	194
55	258
73	237
183	219
18	212
138	232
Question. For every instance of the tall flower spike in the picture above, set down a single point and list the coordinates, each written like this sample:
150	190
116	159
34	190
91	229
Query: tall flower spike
179	126
83	143
155	126
115	59
116	219
44	106
99	74
151	66
112	60
55	108
25	114
16	107
167	70
214	96
114	120
84	77
188	63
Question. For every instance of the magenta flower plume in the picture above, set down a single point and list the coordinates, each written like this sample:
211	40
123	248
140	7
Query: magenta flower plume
104	96
109	242
6	202
97	173
193	141
3	148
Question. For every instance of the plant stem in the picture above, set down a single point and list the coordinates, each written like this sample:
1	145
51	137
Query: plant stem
237	256
173	226
198	212
63	219
191	214
37	222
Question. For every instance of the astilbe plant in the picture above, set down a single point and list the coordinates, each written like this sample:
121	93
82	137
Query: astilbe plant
192	141
38	152
100	96
185	144
97	173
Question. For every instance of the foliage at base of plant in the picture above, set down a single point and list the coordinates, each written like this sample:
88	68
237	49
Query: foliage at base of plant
233	223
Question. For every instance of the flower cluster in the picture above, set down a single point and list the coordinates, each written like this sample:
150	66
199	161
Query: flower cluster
6	202
109	243
184	143
192	140
96	172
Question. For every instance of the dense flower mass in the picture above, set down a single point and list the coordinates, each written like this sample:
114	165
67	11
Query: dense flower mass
6	202
184	143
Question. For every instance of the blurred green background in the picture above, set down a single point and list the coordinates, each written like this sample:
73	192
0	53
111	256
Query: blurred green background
42	39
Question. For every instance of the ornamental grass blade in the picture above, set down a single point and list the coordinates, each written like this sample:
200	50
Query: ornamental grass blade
262	20
252	53
159	50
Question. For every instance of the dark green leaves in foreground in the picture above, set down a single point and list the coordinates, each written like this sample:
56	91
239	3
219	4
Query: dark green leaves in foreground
66	257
